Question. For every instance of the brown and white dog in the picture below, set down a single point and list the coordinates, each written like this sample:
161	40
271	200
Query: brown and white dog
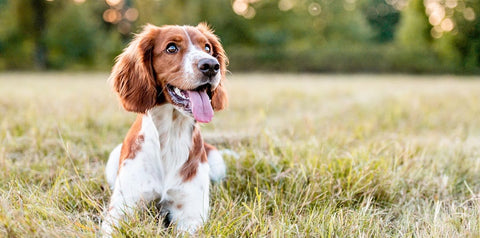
173	77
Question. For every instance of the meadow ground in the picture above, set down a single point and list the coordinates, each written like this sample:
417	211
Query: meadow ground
319	156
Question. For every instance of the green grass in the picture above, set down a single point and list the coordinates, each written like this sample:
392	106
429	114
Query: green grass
320	156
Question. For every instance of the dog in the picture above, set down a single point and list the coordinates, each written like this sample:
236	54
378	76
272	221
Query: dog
173	77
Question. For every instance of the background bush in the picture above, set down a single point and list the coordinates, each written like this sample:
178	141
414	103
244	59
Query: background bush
407	36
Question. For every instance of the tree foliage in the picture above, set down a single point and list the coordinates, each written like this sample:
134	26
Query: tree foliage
292	35
414	30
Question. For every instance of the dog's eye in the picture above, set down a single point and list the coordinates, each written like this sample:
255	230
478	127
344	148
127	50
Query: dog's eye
207	48
171	48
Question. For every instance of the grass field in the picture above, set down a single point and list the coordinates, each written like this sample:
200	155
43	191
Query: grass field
319	156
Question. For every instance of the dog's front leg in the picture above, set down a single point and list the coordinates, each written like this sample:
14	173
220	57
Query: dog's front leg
188	204
132	189
118	208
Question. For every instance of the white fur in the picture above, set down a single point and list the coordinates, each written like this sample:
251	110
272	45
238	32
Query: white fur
112	166
218	169
190	60
154	173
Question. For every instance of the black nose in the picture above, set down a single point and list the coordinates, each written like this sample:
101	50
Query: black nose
209	67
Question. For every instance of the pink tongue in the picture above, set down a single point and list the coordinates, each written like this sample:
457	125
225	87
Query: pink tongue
201	107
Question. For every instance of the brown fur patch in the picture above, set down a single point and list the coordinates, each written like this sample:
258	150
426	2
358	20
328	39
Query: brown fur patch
197	155
133	141
133	77
219	98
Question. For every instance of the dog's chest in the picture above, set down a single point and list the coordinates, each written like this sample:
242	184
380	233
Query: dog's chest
170	134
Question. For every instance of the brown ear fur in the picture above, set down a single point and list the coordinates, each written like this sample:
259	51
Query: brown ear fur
132	76
219	98
219	95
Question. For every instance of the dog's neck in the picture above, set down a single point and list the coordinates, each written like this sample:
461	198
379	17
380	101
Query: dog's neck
174	133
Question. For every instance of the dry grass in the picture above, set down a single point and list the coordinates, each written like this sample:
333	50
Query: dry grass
320	156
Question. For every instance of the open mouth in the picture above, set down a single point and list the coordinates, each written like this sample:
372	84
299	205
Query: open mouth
196	101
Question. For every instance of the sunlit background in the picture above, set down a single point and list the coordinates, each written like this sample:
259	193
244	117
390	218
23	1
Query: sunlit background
409	36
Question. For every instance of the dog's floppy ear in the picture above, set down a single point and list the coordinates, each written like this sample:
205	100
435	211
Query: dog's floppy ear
133	76
219	98
219	95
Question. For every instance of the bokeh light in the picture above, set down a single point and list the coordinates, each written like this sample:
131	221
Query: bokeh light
114	3
124	27
243	8
469	14
250	13
447	25
314	9
240	7
441	15
131	14
286	5
436	32
121	15
451	3
112	16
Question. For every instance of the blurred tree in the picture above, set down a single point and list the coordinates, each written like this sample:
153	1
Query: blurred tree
414	30
74	36
15	48
467	36
448	52
27	26
382	17
38	31
345	23
313	35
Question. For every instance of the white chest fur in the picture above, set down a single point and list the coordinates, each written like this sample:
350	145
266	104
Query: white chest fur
154	172
170	133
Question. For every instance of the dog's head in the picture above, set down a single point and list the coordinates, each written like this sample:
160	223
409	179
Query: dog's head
181	65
